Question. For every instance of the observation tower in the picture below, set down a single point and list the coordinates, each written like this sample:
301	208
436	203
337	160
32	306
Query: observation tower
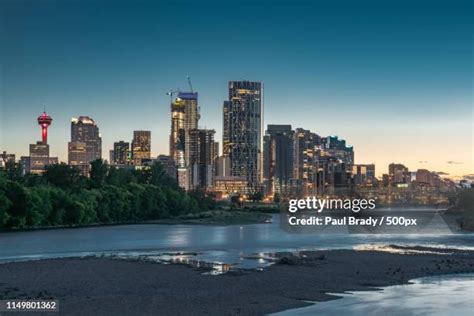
44	120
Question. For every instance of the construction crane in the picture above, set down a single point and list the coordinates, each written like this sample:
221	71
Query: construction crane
192	91
171	93
190	84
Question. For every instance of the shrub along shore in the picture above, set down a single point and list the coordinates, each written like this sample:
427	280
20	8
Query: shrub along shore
465	205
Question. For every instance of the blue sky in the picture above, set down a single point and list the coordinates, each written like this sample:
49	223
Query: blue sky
393	78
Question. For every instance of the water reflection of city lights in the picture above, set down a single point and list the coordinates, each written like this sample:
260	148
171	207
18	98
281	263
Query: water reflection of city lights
253	262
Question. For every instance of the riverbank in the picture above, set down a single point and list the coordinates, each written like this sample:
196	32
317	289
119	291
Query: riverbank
219	217
108	286
214	217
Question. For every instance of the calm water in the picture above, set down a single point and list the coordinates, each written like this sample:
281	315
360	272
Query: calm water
228	244
440	295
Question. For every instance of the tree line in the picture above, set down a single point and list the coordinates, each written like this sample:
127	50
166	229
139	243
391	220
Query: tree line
62	196
465	203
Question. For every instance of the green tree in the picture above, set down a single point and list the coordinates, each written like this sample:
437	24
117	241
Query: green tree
64	176
88	200
33	180
174	202
18	195
113	204
58	198
137	192
98	174
62	196
43	205
13	171
5	205
34	210
158	176
154	203
466	199
205	201
73	211
120	176
143	176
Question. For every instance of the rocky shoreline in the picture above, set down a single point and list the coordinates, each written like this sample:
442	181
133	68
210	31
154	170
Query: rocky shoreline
105	286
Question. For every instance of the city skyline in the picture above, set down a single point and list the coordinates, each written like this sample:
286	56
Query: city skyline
405	99
148	155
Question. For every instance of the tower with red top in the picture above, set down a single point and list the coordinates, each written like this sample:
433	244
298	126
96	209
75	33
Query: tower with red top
44	120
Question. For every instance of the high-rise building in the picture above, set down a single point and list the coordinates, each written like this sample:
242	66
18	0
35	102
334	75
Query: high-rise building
341	159
201	159
78	157
223	166
278	159
308	166
184	117
215	151
191	109
398	174
39	157
423	176
363	174
435	180
84	129
337	148
85	145
111	156
5	158
226	128
121	153
242	141
370	169
322	165
177	141
141	146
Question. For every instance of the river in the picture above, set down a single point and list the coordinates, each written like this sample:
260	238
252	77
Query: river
434	296
232	244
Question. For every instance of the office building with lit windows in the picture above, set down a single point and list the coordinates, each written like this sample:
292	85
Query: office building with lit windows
363	174
141	147
201	161
121	153
242	141
308	171
278	159
85	145
398	174
184	117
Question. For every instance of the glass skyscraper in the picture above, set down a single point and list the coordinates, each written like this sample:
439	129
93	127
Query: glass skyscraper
242	141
